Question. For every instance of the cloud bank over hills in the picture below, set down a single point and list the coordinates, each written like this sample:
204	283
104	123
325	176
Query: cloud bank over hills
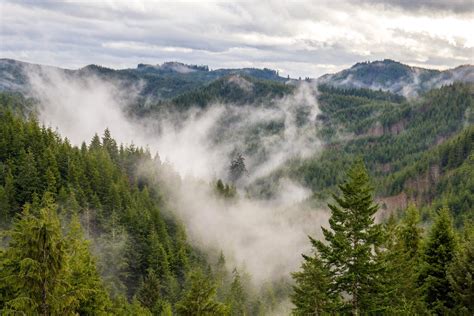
300	39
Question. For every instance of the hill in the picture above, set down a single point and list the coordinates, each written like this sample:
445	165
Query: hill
395	77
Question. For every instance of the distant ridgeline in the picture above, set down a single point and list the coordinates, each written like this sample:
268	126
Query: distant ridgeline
157	82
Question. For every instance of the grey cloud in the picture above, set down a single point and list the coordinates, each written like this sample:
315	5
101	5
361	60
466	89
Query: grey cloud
264	34
456	6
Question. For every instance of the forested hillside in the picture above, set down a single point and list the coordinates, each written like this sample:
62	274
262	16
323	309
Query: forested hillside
420	149
43	179
155	82
395	77
112	245
95	228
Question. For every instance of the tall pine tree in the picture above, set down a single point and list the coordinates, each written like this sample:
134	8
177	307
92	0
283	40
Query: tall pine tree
199	297
350	249
438	255
461	276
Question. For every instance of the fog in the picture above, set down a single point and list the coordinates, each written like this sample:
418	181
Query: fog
264	237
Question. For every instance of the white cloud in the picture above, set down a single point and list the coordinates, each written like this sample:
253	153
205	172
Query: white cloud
303	38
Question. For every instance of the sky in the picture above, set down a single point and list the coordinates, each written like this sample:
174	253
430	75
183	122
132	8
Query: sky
304	38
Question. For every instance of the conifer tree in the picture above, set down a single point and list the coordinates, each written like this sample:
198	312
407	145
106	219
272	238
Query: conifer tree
221	276
199	297
84	280
400	262
437	256
461	276
311	292
4	205
237	299
10	193
27	181
149	292
352	243
34	267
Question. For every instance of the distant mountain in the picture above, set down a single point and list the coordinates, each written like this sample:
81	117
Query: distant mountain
157	82
172	79
389	75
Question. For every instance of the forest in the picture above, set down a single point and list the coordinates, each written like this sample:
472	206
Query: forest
84	232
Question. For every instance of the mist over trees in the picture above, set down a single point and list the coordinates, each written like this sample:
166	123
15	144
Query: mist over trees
94	228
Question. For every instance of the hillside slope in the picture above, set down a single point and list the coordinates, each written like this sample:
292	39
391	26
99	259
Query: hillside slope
389	75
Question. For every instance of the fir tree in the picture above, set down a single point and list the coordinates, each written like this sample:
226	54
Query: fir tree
237	299
311	292
199	297
349	252
27	181
400	264
35	265
461	276
148	293
84	280
437	256
237	168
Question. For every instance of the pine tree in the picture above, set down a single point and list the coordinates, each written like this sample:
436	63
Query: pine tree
95	143
199	297
400	265
461	276
157	258
237	298
110	145
10	193
350	251
84	280
27	181
4	205
311	292
237	168
149	292
35	265
437	256
221	276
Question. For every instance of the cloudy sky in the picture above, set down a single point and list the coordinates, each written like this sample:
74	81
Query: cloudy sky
299	38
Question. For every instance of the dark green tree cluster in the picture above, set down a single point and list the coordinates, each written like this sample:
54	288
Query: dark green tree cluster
225	190
46	272
237	168
364	268
426	140
138	247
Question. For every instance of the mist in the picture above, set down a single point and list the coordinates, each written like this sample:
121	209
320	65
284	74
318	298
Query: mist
264	237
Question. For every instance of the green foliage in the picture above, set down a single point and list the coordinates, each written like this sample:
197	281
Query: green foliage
438	254
225	190
47	273
84	278
237	298
199	297
311	293
347	267
461	275
400	261
349	251
121	210
421	148
34	266
234	89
